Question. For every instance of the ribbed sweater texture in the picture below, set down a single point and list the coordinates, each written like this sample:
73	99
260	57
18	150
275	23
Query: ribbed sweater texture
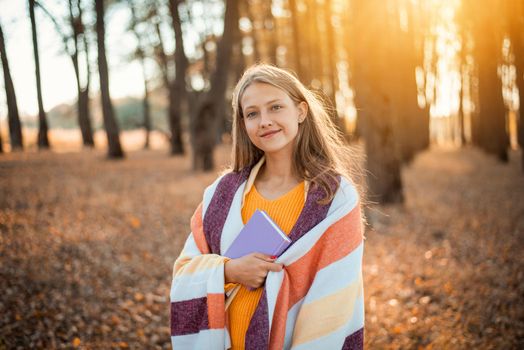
285	211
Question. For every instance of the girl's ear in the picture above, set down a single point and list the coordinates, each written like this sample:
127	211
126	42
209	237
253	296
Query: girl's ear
302	110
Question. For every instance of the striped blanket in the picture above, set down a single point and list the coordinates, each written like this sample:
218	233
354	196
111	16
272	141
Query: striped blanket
315	302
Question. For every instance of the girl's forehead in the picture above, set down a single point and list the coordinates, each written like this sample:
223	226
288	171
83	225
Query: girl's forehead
260	94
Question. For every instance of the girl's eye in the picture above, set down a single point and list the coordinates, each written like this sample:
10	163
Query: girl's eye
276	107
251	114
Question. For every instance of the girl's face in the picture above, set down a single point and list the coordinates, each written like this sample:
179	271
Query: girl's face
271	117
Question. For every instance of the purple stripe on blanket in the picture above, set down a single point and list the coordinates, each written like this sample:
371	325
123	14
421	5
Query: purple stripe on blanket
189	316
257	336
216	213
312	213
354	341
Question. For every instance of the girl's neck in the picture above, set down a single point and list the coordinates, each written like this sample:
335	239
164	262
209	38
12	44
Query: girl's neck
277	170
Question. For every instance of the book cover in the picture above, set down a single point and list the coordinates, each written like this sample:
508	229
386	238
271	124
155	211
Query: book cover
260	234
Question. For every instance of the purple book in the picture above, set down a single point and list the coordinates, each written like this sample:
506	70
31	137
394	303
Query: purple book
260	234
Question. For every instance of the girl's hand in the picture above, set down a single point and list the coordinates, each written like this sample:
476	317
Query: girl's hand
250	270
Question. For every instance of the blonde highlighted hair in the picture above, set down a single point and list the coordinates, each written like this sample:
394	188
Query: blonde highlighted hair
320	152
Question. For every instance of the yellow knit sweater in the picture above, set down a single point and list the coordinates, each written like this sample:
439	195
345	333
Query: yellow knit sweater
284	211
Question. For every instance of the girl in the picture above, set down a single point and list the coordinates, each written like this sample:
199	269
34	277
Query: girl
289	161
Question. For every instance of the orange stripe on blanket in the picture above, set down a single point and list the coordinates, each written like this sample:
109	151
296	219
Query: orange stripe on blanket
216	310
197	228
340	239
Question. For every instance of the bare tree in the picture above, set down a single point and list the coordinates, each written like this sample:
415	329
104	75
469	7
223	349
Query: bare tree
463	35
238	54
162	60
15	128
331	63
516	16
372	35
178	86
250	11
411	122
140	54
110	123
271	31
348	48
78	33
43	141
489	124
84	116
296	39
209	107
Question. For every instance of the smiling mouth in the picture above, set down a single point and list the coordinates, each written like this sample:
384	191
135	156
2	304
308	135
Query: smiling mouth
270	134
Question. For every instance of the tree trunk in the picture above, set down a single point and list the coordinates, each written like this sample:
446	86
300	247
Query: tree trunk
490	121
461	119
461	111
372	41
421	117
332	66
141	53
161	55
43	141
15	128
349	30
84	117
110	123
84	120
271	31
210	107
238	54
178	86
517	41
239	66
163	64
314	46
146	106
77	29
464	72
202	138
254	32
411	124
296	40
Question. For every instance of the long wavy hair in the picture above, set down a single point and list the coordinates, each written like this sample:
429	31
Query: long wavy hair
320	152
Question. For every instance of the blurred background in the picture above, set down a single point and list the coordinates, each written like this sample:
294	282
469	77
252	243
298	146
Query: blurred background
115	115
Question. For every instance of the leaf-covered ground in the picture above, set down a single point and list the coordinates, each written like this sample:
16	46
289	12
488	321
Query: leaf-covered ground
87	247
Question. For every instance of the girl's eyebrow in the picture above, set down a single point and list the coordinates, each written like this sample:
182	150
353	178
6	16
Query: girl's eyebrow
267	103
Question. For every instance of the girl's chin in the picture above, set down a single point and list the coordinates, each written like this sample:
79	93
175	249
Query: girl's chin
273	148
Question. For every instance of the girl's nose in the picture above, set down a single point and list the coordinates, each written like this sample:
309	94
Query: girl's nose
265	119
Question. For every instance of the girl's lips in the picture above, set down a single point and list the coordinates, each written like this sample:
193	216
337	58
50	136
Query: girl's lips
270	134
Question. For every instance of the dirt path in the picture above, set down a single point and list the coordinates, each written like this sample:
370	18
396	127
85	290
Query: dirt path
87	247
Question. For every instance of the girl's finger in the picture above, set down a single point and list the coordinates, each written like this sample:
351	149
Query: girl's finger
274	267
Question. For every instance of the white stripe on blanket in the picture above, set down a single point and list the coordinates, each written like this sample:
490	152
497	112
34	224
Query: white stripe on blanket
197	284
343	202
342	268
206	339
344	271
332	318
336	340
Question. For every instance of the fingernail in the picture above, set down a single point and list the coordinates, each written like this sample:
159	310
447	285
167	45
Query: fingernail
273	257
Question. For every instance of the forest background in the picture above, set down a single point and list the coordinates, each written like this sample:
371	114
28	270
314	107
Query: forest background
116	115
